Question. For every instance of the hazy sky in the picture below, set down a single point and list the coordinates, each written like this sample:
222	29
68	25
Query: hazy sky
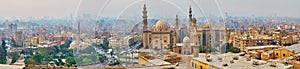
163	8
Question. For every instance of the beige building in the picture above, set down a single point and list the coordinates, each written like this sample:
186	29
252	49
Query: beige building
163	36
187	46
160	36
207	35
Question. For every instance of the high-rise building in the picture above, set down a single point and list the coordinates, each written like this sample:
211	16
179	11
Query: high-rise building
19	37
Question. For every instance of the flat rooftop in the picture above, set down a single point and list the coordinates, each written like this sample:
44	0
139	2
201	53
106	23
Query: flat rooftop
241	63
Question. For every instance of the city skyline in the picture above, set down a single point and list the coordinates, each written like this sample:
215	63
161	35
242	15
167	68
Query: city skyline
158	8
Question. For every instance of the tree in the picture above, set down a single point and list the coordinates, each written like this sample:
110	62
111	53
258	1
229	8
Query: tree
66	45
43	52
105	44
37	58
70	61
212	50
3	53
15	56
30	61
225	48
202	49
235	50
228	48
101	57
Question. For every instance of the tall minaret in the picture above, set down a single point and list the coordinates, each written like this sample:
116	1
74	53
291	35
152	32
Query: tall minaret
190	14
226	35
191	27
145	28
78	32
145	23
176	23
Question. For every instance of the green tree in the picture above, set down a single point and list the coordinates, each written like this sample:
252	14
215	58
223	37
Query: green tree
3	53
235	50
225	48
30	61
43	52
105	44
202	49
15	56
101	57
37	58
66	45
70	61
212	50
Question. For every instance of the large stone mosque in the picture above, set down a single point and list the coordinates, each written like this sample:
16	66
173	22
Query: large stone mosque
163	36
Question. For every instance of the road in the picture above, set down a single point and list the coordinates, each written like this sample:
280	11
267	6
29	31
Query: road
120	51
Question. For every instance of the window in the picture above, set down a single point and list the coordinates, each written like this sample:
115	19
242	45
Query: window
276	54
192	64
201	67
283	54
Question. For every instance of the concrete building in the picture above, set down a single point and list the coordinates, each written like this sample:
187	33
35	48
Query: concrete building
19	37
247	40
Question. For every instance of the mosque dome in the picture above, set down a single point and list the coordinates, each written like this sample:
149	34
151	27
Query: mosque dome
207	25
186	39
161	26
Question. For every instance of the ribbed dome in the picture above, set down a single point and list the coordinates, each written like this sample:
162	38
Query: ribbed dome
186	39
207	25
161	26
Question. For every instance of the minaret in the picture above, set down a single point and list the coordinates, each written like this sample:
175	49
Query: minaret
78	32
176	35
176	23
190	20
191	27
190	14
145	28
145	23
226	35
196	51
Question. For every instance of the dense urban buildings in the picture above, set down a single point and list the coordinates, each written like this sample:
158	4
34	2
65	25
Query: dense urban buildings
151	35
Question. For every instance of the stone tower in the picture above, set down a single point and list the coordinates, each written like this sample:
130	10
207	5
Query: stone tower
176	30
176	23
226	35
195	50
145	28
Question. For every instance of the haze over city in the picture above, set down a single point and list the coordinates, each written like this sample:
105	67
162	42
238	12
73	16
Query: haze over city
162	8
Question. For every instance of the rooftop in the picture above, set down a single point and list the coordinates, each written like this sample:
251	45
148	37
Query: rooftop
239	63
4	66
295	47
261	47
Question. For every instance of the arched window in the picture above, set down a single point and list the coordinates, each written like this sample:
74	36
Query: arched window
192	64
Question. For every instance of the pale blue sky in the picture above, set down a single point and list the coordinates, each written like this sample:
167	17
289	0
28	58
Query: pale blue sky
164	8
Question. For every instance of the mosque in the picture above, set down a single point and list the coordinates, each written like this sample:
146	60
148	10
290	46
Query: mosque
163	36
